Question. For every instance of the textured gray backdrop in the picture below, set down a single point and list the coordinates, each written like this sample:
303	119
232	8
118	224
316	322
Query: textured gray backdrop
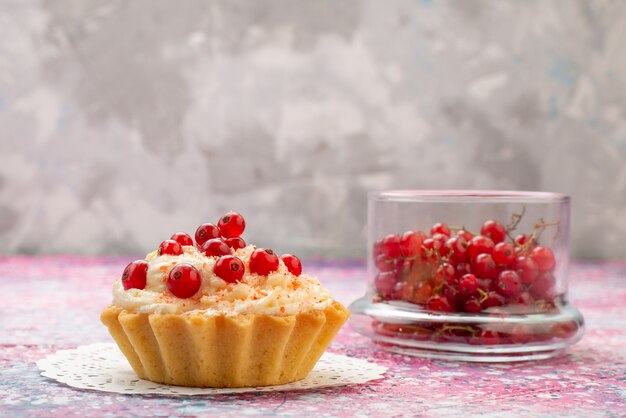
123	121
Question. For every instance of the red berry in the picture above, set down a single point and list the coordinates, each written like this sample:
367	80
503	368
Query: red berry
544	257
235	243
441	239
509	284
472	305
231	225
484	266
453	296
184	280
468	284
445	272
439	303
134	276
521	334
377	249
503	253
524	299
521	239
456	249
263	262
494	230
461	270
440	228
170	247
488	285
292	263
431	248
467	236
391	246
215	248
385	284
182	238
479	245
527	269
493	299
411	243
543	286
385	264
229	268
206	232
485	337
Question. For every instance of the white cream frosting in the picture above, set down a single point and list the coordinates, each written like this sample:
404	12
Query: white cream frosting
279	293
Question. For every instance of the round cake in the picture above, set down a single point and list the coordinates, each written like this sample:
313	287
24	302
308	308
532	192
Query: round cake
222	314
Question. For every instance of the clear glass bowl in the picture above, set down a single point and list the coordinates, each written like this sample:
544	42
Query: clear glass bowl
468	275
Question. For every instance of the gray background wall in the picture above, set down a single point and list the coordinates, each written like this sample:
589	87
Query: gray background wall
123	121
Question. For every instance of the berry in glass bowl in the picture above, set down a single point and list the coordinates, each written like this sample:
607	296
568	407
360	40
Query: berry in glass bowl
485	280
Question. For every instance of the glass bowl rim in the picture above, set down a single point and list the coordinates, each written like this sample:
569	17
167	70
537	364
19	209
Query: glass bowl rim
466	196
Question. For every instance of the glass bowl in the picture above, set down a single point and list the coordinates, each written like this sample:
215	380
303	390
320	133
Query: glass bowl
468	275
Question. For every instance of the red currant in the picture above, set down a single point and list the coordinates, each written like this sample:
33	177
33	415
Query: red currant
439	303
391	246
263	262
385	284
182	238
377	249
472	305
215	248
229	268
467	236
488	285
440	228
524	299
235	243
231	225
468	285
411	243
492	300
521	240
485	337
134	276
509	284
543	286
456	249
184	280
441	239
462	269
483	266
452	295
445	272
521	334
431	248
494	230
206	232
292	263
544	257
385	264
170	247
480	245
527	269
503	253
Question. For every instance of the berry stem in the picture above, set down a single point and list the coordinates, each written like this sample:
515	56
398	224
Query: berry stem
516	218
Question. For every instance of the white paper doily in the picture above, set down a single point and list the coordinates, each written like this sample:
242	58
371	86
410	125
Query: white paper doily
102	367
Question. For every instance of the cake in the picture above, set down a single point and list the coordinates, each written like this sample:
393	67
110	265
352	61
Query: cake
221	313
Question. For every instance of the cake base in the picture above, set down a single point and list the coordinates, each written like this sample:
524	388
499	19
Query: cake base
224	351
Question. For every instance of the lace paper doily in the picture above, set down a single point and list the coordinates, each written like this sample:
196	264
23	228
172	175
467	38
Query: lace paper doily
102	367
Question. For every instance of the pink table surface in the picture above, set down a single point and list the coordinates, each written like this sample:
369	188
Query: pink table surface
49	303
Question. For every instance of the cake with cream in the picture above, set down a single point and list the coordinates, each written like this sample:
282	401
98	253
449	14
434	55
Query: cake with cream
222	313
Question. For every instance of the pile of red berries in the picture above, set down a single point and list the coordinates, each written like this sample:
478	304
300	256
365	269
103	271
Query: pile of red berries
454	270
213	241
